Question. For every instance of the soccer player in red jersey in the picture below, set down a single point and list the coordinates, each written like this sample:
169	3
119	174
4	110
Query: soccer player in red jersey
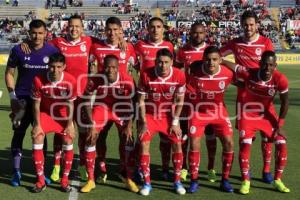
247	51
113	29
206	88
53	95
185	56
114	93
146	51
160	89
259	114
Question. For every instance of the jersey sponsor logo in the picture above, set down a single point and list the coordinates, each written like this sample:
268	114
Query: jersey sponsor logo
222	85
122	55
258	51
193	129
172	89
83	48
46	59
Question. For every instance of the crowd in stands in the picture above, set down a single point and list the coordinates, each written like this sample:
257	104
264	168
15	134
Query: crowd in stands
292	35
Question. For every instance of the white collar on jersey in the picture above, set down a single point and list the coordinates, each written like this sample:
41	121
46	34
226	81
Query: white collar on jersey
73	42
110	45
259	77
250	42
55	82
211	75
157	43
114	83
198	48
164	78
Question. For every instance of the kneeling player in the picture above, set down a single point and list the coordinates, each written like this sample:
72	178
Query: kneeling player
258	114
160	88
53	94
206	88
113	103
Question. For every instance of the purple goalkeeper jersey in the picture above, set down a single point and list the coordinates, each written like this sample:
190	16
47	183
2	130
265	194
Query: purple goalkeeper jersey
29	65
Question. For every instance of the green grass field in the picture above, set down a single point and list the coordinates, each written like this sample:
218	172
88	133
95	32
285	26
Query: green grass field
114	189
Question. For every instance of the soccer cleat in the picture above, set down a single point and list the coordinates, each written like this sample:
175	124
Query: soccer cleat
15	181
66	188
245	187
211	175
267	177
194	187
88	186
278	184
225	186
47	180
131	185
146	189
179	189
83	173
38	188
55	173
102	178
183	174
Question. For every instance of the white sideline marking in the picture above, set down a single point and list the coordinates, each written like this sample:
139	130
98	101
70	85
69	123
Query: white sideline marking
74	184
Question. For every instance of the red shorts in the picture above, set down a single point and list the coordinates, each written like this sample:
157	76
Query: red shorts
162	126
249	126
220	125
101	115
49	124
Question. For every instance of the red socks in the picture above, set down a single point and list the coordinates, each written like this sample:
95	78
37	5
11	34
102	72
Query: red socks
280	158
266	148
177	165
244	156
194	161
227	159
145	167
68	160
38	158
90	156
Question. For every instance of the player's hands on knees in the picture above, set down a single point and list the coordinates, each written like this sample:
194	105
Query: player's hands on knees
128	135
280	132
70	130
36	131
176	130
25	47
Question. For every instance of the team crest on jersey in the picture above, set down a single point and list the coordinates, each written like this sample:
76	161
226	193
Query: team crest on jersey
193	129
122	55
222	85
271	92
258	51
83	48
46	59
63	93
172	89
242	133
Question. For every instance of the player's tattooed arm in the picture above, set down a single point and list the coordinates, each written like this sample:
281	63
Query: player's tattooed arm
37	129
69	129
142	123
25	47
175	128
87	108
10	84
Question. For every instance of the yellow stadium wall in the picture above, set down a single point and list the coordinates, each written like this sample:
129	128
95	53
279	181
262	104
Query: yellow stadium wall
282	59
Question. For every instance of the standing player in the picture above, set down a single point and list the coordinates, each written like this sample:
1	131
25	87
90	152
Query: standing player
185	56
114	93
247	51
259	114
161	88
28	66
146	51
100	49
53	94
206	88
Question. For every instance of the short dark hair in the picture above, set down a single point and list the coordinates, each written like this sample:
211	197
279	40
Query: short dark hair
211	49
194	25
57	57
156	19
113	20
164	52
37	23
75	17
267	54
109	58
249	14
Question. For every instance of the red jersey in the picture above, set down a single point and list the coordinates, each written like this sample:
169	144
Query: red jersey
100	49
160	92
77	56
188	54
53	95
110	94
206	92
247	53
147	52
259	91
